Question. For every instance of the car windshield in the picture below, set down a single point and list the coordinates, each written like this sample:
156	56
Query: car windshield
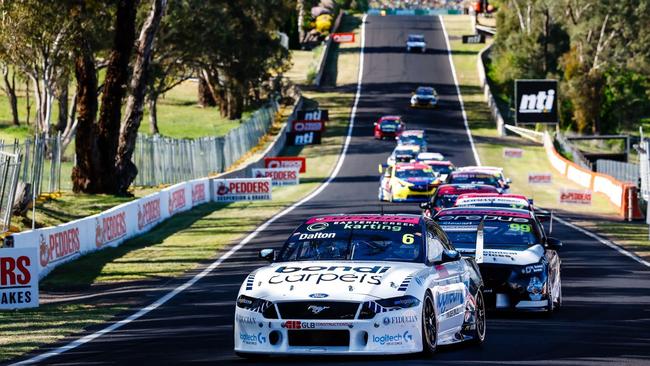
445	200
424	91
389	125
410	140
441	169
416	38
356	238
409	153
519	205
414	173
474	178
499	231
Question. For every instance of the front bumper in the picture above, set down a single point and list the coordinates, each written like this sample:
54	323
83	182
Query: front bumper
256	335
505	291
407	195
424	106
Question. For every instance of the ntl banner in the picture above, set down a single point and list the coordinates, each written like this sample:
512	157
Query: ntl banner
313	115
279	176
536	101
18	278
241	189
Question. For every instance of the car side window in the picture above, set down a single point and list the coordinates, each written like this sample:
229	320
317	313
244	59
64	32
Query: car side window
435	248
446	243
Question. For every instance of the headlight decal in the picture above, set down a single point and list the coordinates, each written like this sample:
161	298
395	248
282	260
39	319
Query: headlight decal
370	308
405	284
266	308
249	282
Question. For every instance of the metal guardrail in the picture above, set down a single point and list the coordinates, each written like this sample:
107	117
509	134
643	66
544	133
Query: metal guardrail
322	62
485	29
526	133
576	156
10	166
624	172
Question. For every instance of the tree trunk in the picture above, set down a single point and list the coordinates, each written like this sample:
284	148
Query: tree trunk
88	164
28	102
62	101
117	74
153	114
206	99
300	7
10	90
125	170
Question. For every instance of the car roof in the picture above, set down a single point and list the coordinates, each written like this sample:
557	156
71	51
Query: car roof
408	147
430	156
466	200
424	89
384	118
439	162
500	211
457	188
481	168
408	218
418	133
493	195
416	35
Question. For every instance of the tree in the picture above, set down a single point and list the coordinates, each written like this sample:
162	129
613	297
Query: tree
9	87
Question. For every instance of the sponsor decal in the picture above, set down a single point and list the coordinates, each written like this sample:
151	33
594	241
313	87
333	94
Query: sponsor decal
449	218
243	319
474	38
252	339
176	200
303	138
18	278
297	324
536	101
110	228
323	274
308	126
279	176
198	193
512	153
242	189
393	339
535	287
449	300
318	226
315	309
306	236
148	212
343	37
318	296
313	115
286	162
577	197
540	178
58	246
401	319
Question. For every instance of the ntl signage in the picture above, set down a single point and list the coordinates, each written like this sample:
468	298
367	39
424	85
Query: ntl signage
536	101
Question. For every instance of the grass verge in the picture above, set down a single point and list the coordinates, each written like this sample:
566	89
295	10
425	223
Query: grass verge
602	214
175	246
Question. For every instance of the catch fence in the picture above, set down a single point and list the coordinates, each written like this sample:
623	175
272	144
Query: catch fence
625	172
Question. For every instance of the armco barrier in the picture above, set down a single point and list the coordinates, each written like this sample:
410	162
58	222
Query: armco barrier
489	98
622	195
326	49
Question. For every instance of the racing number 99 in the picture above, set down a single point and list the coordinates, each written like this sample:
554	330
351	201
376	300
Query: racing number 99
524	228
408	239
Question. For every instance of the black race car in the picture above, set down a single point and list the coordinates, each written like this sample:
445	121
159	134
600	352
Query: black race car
519	263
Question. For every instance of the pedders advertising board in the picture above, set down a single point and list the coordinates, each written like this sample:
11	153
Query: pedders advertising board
242	189
279	176
18	278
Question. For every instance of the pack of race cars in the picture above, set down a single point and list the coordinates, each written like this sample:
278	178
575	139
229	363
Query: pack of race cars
403	283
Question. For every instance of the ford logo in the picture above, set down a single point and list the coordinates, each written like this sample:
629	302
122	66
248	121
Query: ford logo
318	296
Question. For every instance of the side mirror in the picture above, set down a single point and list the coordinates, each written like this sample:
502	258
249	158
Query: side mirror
508	181
554	244
268	254
449	256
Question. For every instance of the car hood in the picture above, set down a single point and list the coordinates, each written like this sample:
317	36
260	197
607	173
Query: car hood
512	257
419	180
421	96
415	44
331	280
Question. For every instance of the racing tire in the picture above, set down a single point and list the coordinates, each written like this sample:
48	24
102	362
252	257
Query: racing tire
558	301
478	335
550	307
429	325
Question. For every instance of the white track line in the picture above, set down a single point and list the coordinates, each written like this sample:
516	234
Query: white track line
460	97
604	241
156	304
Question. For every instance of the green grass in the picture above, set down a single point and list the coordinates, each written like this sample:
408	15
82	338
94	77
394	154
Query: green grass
602	214
175	246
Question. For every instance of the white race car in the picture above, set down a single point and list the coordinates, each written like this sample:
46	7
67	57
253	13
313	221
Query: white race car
416	42
360	284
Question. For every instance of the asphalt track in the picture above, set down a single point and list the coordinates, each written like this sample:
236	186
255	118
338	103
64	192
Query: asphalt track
606	313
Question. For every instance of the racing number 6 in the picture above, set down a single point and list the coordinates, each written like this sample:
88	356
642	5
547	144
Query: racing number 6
408	239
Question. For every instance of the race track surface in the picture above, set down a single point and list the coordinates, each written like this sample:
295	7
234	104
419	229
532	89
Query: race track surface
606	313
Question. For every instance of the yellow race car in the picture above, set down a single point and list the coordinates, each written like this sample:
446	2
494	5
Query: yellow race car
407	182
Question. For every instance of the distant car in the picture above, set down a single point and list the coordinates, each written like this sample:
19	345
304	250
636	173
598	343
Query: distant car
416	42
389	127
519	263
430	156
403	154
413	137
491	178
424	97
501	201
441	168
360	284
407	182
446	195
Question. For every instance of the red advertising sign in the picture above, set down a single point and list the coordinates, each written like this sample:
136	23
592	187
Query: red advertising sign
540	178
512	153
148	212
177	200
343	37
18	278
59	245
308	126
242	189
279	176
577	197
286	162
110	227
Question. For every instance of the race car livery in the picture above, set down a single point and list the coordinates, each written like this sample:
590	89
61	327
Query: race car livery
388	127
519	263
493	170
441	168
494	200
413	137
446	195
490	178
360	284
416	42
424	97
403	154
407	182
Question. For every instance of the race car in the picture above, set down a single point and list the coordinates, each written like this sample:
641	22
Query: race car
491	178
413	137
502	201
520	264
430	156
388	127
424	97
360	284
407	182
497	171
403	154
441	167
416	42
446	195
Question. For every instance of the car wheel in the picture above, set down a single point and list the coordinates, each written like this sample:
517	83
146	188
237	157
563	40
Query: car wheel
551	302
558	300
429	325
478	336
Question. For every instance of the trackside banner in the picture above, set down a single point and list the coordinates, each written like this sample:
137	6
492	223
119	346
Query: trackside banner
241	189
536	101
575	197
18	278
279	176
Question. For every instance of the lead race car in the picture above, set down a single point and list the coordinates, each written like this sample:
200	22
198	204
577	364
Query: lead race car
360	284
